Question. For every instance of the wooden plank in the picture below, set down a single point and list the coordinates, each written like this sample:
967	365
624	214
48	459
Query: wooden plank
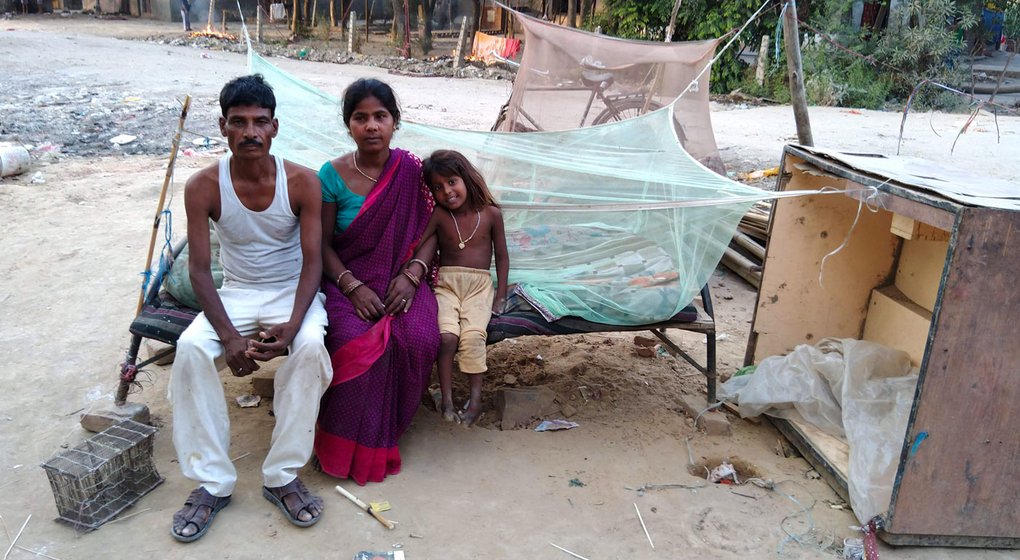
909	228
793	308
920	268
825	459
958	475
897	322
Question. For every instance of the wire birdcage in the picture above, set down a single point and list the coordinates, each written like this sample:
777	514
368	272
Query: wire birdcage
103	475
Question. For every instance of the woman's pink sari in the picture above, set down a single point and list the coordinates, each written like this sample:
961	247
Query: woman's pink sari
380	370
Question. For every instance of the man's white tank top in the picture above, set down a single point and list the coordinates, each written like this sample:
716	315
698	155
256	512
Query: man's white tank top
260	250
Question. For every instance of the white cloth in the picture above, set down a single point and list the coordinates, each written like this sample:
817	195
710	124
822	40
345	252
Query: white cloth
201	422
260	249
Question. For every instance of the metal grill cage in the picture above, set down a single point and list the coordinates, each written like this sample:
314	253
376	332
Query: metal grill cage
103	475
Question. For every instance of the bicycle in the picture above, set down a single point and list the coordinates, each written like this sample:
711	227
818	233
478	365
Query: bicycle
597	79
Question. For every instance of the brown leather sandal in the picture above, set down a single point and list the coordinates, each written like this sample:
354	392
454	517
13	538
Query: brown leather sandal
279	497
190	513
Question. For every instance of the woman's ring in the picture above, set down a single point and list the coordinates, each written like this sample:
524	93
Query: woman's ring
403	301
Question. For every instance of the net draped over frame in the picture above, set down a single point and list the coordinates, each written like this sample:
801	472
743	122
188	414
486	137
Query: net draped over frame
563	70
615	224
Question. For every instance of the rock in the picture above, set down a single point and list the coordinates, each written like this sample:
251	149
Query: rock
154	347
644	351
510	379
518	406
100	419
645	341
567	410
262	385
713	422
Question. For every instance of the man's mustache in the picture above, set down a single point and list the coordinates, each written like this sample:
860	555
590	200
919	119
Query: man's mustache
256	143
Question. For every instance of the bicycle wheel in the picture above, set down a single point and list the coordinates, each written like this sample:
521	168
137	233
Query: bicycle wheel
625	109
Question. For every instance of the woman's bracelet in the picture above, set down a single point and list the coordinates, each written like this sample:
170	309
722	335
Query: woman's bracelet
414	279
342	274
352	286
424	265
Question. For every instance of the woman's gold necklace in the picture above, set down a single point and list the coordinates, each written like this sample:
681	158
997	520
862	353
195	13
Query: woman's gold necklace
358	169
478	222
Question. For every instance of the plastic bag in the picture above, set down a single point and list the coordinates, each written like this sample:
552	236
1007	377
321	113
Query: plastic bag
856	390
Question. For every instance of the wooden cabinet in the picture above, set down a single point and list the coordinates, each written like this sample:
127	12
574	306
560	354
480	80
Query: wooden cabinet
931	275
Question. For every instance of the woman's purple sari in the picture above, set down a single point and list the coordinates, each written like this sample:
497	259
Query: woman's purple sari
380	370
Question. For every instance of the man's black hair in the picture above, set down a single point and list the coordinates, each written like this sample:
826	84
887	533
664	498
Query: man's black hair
247	91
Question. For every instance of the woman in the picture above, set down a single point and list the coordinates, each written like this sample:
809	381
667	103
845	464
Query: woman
383	334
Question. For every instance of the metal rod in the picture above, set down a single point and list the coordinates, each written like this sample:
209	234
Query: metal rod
570	553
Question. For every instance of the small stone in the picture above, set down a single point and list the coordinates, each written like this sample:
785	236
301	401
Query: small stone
567	410
100	419
715	423
262	385
645	341
644	351
510	379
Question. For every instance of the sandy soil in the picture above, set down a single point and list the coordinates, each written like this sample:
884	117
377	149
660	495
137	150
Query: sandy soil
71	249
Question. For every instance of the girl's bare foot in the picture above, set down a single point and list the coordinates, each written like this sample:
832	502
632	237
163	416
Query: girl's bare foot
471	414
450	414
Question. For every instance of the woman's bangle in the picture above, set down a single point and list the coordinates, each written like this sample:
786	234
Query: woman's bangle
352	286
424	265
414	279
342	274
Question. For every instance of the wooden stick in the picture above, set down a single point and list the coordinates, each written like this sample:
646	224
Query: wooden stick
798	96
751	245
18	536
378	516
643	526
162	195
568	552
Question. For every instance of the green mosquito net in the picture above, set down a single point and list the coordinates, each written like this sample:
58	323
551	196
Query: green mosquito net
615	223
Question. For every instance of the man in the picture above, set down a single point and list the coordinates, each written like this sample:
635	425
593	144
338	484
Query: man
186	14
266	212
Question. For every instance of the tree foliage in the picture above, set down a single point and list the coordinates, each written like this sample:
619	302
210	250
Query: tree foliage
697	19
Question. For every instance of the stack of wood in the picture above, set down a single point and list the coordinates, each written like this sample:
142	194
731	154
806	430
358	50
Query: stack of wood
746	253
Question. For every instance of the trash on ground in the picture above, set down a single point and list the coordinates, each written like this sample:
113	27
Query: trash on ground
553	425
122	139
379	506
390	555
248	401
723	474
576	483
204	142
37	178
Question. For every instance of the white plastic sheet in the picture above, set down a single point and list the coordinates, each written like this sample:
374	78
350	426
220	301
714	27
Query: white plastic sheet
856	390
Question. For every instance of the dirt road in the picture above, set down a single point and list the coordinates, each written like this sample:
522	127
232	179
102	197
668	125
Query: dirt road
71	248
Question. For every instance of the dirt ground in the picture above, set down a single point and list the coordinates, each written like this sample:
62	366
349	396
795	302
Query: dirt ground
73	236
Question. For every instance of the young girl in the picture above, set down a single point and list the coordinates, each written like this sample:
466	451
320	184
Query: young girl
467	225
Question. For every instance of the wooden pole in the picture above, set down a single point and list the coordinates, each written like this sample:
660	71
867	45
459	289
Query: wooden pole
212	8
672	21
791	35
350	32
458	56
162	195
258	25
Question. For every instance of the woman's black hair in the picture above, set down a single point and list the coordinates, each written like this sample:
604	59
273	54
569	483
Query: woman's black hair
450	163
369	87
247	91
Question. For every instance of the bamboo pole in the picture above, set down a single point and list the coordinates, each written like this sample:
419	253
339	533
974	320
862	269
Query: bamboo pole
162	195
791	34
672	21
212	11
